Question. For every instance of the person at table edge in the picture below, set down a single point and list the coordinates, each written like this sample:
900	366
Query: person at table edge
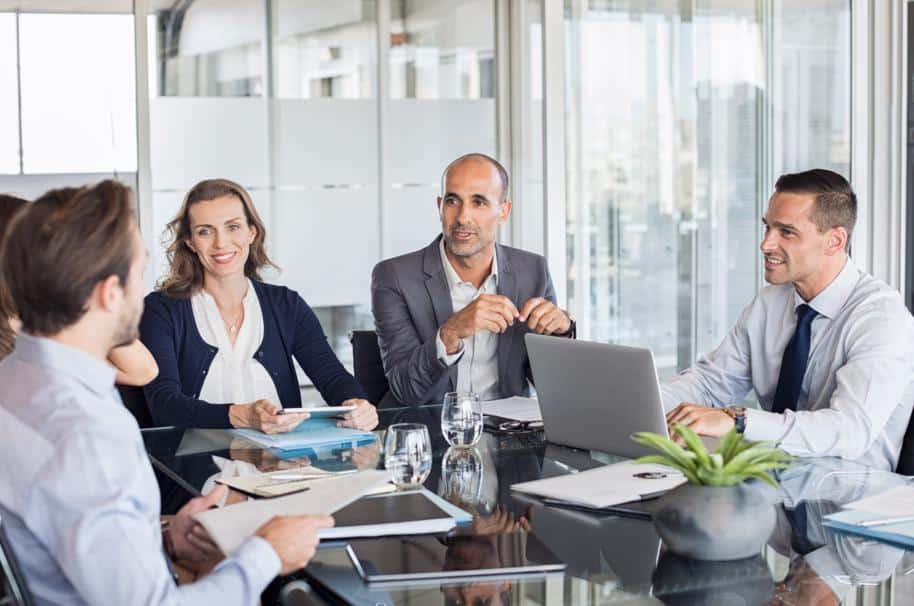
453	315
827	348
224	339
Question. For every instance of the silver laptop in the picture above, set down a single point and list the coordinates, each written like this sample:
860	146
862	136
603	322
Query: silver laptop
594	395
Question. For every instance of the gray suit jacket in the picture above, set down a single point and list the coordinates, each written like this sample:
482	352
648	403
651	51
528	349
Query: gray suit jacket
410	300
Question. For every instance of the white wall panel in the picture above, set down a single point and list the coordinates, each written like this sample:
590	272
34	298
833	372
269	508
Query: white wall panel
412	218
326	142
207	137
425	135
326	243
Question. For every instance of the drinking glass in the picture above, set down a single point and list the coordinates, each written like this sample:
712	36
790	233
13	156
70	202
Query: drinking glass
461	476
461	418
408	454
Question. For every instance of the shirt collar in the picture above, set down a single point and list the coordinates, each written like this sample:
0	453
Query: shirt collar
830	301
95	374
453	279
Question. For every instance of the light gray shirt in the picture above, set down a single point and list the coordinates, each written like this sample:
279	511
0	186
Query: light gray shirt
857	394
78	498
477	360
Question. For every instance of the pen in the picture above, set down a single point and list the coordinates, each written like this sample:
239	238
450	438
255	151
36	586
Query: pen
886	521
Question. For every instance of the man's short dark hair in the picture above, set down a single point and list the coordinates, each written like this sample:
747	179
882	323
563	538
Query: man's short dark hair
502	173
60	247
836	202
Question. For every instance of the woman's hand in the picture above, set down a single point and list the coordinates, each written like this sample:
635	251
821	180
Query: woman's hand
264	415
364	417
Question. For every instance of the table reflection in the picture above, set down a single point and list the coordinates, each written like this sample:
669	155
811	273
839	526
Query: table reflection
609	559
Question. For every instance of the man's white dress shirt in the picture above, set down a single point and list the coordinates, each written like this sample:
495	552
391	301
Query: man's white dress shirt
235	375
78	498
477	360
856	396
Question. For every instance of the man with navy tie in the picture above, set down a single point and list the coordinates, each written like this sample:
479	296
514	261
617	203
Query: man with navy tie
827	349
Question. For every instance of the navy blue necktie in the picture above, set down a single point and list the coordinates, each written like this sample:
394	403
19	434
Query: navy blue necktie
793	364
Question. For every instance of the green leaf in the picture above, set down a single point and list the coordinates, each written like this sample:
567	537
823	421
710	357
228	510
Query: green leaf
665	446
694	444
717	460
728	444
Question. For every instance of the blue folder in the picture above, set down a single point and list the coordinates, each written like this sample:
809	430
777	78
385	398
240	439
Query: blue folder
310	434
900	534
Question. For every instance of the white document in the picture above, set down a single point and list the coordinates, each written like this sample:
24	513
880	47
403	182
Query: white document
895	502
515	408
230	526
606	486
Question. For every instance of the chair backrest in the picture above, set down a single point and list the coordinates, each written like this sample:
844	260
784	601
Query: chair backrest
369	370
12	582
906	458
135	401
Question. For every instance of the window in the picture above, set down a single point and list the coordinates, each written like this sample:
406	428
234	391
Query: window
76	84
9	99
673	152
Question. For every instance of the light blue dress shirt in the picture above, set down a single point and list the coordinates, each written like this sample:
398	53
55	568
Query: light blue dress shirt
78	498
857	393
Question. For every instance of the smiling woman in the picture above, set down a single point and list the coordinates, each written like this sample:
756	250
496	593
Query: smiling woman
222	336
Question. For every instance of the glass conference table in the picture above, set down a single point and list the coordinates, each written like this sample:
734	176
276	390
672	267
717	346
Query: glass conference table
610	559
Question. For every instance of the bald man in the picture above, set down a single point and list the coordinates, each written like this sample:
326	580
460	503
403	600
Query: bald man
453	315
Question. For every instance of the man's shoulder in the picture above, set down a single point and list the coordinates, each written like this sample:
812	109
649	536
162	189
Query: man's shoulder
407	264
43	412
520	259
873	295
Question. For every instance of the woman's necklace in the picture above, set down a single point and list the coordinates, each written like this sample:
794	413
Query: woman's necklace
233	324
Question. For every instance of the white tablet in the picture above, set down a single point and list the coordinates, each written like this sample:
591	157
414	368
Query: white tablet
319	412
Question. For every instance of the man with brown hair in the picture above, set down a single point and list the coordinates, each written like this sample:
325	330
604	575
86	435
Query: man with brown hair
827	348
78	498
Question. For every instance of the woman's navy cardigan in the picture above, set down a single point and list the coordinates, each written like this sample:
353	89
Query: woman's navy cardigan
290	328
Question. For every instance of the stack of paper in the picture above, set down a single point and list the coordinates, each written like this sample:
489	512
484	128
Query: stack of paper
230	526
606	486
515	409
310	434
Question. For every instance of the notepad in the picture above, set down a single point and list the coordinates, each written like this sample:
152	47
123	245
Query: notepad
606	486
515	408
309	434
279	483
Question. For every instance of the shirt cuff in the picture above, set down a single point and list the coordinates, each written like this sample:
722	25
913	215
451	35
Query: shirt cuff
259	559
447	359
764	426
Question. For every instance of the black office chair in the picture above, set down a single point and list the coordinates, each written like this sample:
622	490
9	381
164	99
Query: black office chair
369	370
135	401
13	590
906	458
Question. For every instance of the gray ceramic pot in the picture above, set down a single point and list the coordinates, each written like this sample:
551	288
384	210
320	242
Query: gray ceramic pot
716	522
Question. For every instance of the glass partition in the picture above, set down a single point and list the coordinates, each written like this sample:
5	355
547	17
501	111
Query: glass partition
679	118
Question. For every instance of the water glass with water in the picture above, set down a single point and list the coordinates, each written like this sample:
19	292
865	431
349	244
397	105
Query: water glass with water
408	454
461	418
461	476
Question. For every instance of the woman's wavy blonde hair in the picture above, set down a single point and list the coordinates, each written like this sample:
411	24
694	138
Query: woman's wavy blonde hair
185	273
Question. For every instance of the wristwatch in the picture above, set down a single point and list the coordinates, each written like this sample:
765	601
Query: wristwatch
572	331
738	414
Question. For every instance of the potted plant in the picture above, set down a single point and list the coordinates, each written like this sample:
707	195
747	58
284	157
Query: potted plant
726	509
